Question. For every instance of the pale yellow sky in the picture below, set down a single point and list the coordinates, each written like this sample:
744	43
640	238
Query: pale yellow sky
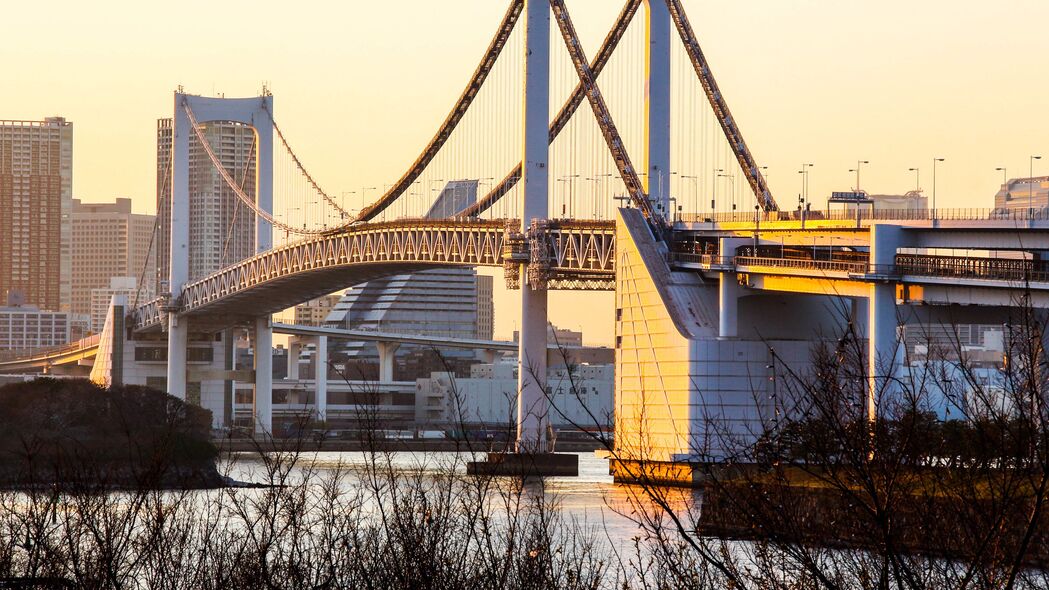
363	85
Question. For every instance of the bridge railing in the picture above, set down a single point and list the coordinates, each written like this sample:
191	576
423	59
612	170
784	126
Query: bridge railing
802	263
705	259
49	351
926	265
866	214
966	267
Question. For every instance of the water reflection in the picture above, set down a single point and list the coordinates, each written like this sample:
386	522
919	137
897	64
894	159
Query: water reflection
592	499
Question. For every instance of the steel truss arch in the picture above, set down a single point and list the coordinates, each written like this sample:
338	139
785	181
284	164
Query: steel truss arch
578	256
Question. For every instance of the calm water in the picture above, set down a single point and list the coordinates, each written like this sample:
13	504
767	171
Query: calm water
591	499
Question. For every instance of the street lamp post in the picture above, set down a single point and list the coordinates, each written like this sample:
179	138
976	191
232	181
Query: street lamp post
917	178
1030	193
859	163
732	189
805	181
1005	180
714	191
342	199
695	187
934	161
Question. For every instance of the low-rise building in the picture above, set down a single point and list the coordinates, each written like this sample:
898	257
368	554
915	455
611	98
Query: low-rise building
25	327
487	400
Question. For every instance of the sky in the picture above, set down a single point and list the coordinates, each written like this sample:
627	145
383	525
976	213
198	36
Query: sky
366	83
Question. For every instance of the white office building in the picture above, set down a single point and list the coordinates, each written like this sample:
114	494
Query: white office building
25	327
488	398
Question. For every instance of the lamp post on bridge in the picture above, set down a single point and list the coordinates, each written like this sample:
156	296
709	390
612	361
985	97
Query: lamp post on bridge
433	189
934	161
804	172
1030	197
859	164
364	197
917	178
1005	180
695	186
732	189
412	193
714	192
342	201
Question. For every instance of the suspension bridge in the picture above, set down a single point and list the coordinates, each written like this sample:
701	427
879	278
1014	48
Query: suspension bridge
622	169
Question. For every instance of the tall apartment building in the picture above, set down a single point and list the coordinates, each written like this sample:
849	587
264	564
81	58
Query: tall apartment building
221	228
110	241
485	308
36	201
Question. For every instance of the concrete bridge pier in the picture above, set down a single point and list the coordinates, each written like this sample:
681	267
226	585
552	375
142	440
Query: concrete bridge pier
729	292
387	358
320	400
294	351
884	348
263	354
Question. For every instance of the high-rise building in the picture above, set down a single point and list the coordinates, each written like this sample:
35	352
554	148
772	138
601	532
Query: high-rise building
221	228
36	201
110	241
485	308
315	311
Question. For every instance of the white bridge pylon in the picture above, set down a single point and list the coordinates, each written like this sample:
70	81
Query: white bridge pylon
190	110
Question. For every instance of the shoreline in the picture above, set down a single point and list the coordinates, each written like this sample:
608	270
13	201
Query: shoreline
245	445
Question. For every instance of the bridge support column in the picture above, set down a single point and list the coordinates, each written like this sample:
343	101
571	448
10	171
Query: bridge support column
728	305
178	339
729	291
263	376
883	346
387	352
657	106
532	414
321	378
294	350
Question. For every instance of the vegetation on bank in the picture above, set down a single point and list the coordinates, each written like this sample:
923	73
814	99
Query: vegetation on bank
71	431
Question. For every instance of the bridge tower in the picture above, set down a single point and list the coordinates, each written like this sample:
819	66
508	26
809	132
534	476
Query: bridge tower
255	112
532	419
657	106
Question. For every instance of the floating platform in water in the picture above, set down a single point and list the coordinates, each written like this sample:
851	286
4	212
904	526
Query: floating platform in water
526	465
